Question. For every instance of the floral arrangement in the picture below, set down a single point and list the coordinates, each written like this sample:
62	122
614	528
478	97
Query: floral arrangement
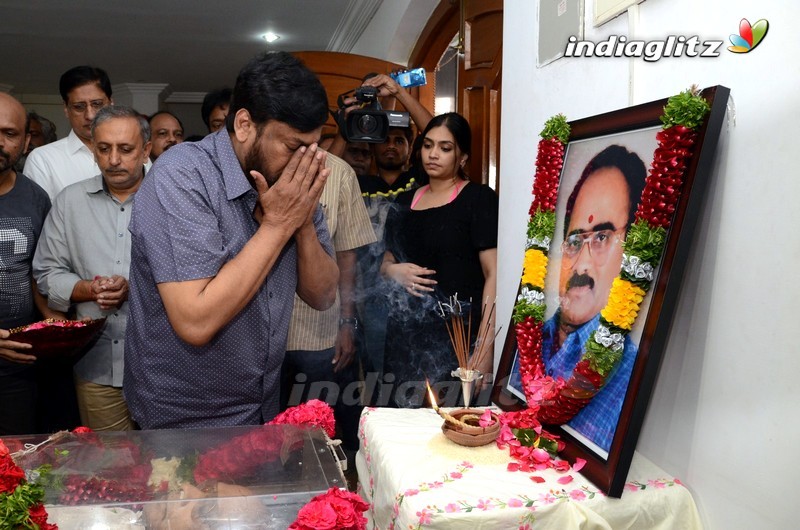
122	472
557	401
335	509
21	497
242	455
313	413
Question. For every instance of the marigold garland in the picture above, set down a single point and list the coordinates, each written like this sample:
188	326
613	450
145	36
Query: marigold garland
557	401
534	268
623	303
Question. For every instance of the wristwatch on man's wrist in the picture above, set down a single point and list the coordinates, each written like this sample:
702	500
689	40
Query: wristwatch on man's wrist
352	321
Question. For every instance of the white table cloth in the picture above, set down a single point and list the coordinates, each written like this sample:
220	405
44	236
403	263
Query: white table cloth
415	478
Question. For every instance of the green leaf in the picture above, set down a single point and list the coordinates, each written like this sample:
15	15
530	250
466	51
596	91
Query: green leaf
687	109
645	242
185	470
14	506
542	224
601	359
522	310
556	127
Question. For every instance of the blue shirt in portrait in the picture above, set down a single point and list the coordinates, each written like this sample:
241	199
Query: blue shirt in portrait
597	421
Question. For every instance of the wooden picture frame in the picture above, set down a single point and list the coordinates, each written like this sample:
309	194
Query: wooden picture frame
608	469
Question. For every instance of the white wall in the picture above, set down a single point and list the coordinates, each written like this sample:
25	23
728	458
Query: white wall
723	416
51	106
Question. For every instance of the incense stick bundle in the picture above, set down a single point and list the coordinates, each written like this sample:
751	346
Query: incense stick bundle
483	346
455	329
460	338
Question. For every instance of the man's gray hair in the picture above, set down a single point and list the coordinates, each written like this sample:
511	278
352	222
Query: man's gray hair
121	111
48	127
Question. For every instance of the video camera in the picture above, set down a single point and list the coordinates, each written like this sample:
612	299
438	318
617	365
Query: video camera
369	123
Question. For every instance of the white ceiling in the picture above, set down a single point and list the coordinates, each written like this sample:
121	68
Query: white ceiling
192	45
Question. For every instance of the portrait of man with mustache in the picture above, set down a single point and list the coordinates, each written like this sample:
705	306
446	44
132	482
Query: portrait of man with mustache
598	213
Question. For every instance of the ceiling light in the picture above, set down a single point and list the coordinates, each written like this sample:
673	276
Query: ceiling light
270	37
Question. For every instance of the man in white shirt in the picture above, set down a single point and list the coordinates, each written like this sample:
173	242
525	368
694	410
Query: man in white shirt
85	90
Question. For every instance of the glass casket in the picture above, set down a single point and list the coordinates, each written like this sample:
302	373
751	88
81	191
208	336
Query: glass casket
255	477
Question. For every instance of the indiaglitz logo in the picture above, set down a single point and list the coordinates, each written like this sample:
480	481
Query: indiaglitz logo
650	51
749	36
672	46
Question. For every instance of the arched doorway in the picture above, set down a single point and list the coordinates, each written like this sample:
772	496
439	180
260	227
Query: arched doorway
478	28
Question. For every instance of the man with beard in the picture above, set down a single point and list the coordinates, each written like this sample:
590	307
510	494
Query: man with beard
23	208
82	261
224	232
598	213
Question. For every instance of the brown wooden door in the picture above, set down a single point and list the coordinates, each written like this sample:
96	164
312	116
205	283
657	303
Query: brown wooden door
480	26
479	81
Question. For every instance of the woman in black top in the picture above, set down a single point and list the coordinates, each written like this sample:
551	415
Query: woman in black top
440	242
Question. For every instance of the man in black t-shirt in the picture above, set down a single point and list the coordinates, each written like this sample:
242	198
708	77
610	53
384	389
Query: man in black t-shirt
23	208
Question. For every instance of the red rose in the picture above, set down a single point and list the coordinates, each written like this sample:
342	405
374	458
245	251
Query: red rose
10	475
314	413
316	515
353	498
345	514
82	430
38	515
3	450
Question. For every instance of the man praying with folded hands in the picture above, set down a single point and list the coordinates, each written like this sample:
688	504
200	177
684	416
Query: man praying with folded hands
225	231
83	258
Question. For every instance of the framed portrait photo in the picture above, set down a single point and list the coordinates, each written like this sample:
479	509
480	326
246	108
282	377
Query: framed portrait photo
604	192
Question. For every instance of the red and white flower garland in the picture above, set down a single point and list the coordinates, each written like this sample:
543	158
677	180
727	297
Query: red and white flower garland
557	401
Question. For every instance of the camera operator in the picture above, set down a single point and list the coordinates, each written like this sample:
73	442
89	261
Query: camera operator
389	92
380	193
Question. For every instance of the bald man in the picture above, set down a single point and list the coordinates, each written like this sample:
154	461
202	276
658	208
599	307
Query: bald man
23	208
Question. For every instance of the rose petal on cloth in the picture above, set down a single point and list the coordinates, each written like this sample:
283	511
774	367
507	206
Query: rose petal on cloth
566	479
537	479
579	463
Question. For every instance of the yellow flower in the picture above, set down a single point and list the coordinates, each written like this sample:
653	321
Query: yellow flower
534	268
623	303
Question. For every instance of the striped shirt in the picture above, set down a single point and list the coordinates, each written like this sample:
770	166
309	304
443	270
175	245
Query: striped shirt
350	228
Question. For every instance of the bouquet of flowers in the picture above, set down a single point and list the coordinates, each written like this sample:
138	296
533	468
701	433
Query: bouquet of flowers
314	413
335	509
240	456
20	496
